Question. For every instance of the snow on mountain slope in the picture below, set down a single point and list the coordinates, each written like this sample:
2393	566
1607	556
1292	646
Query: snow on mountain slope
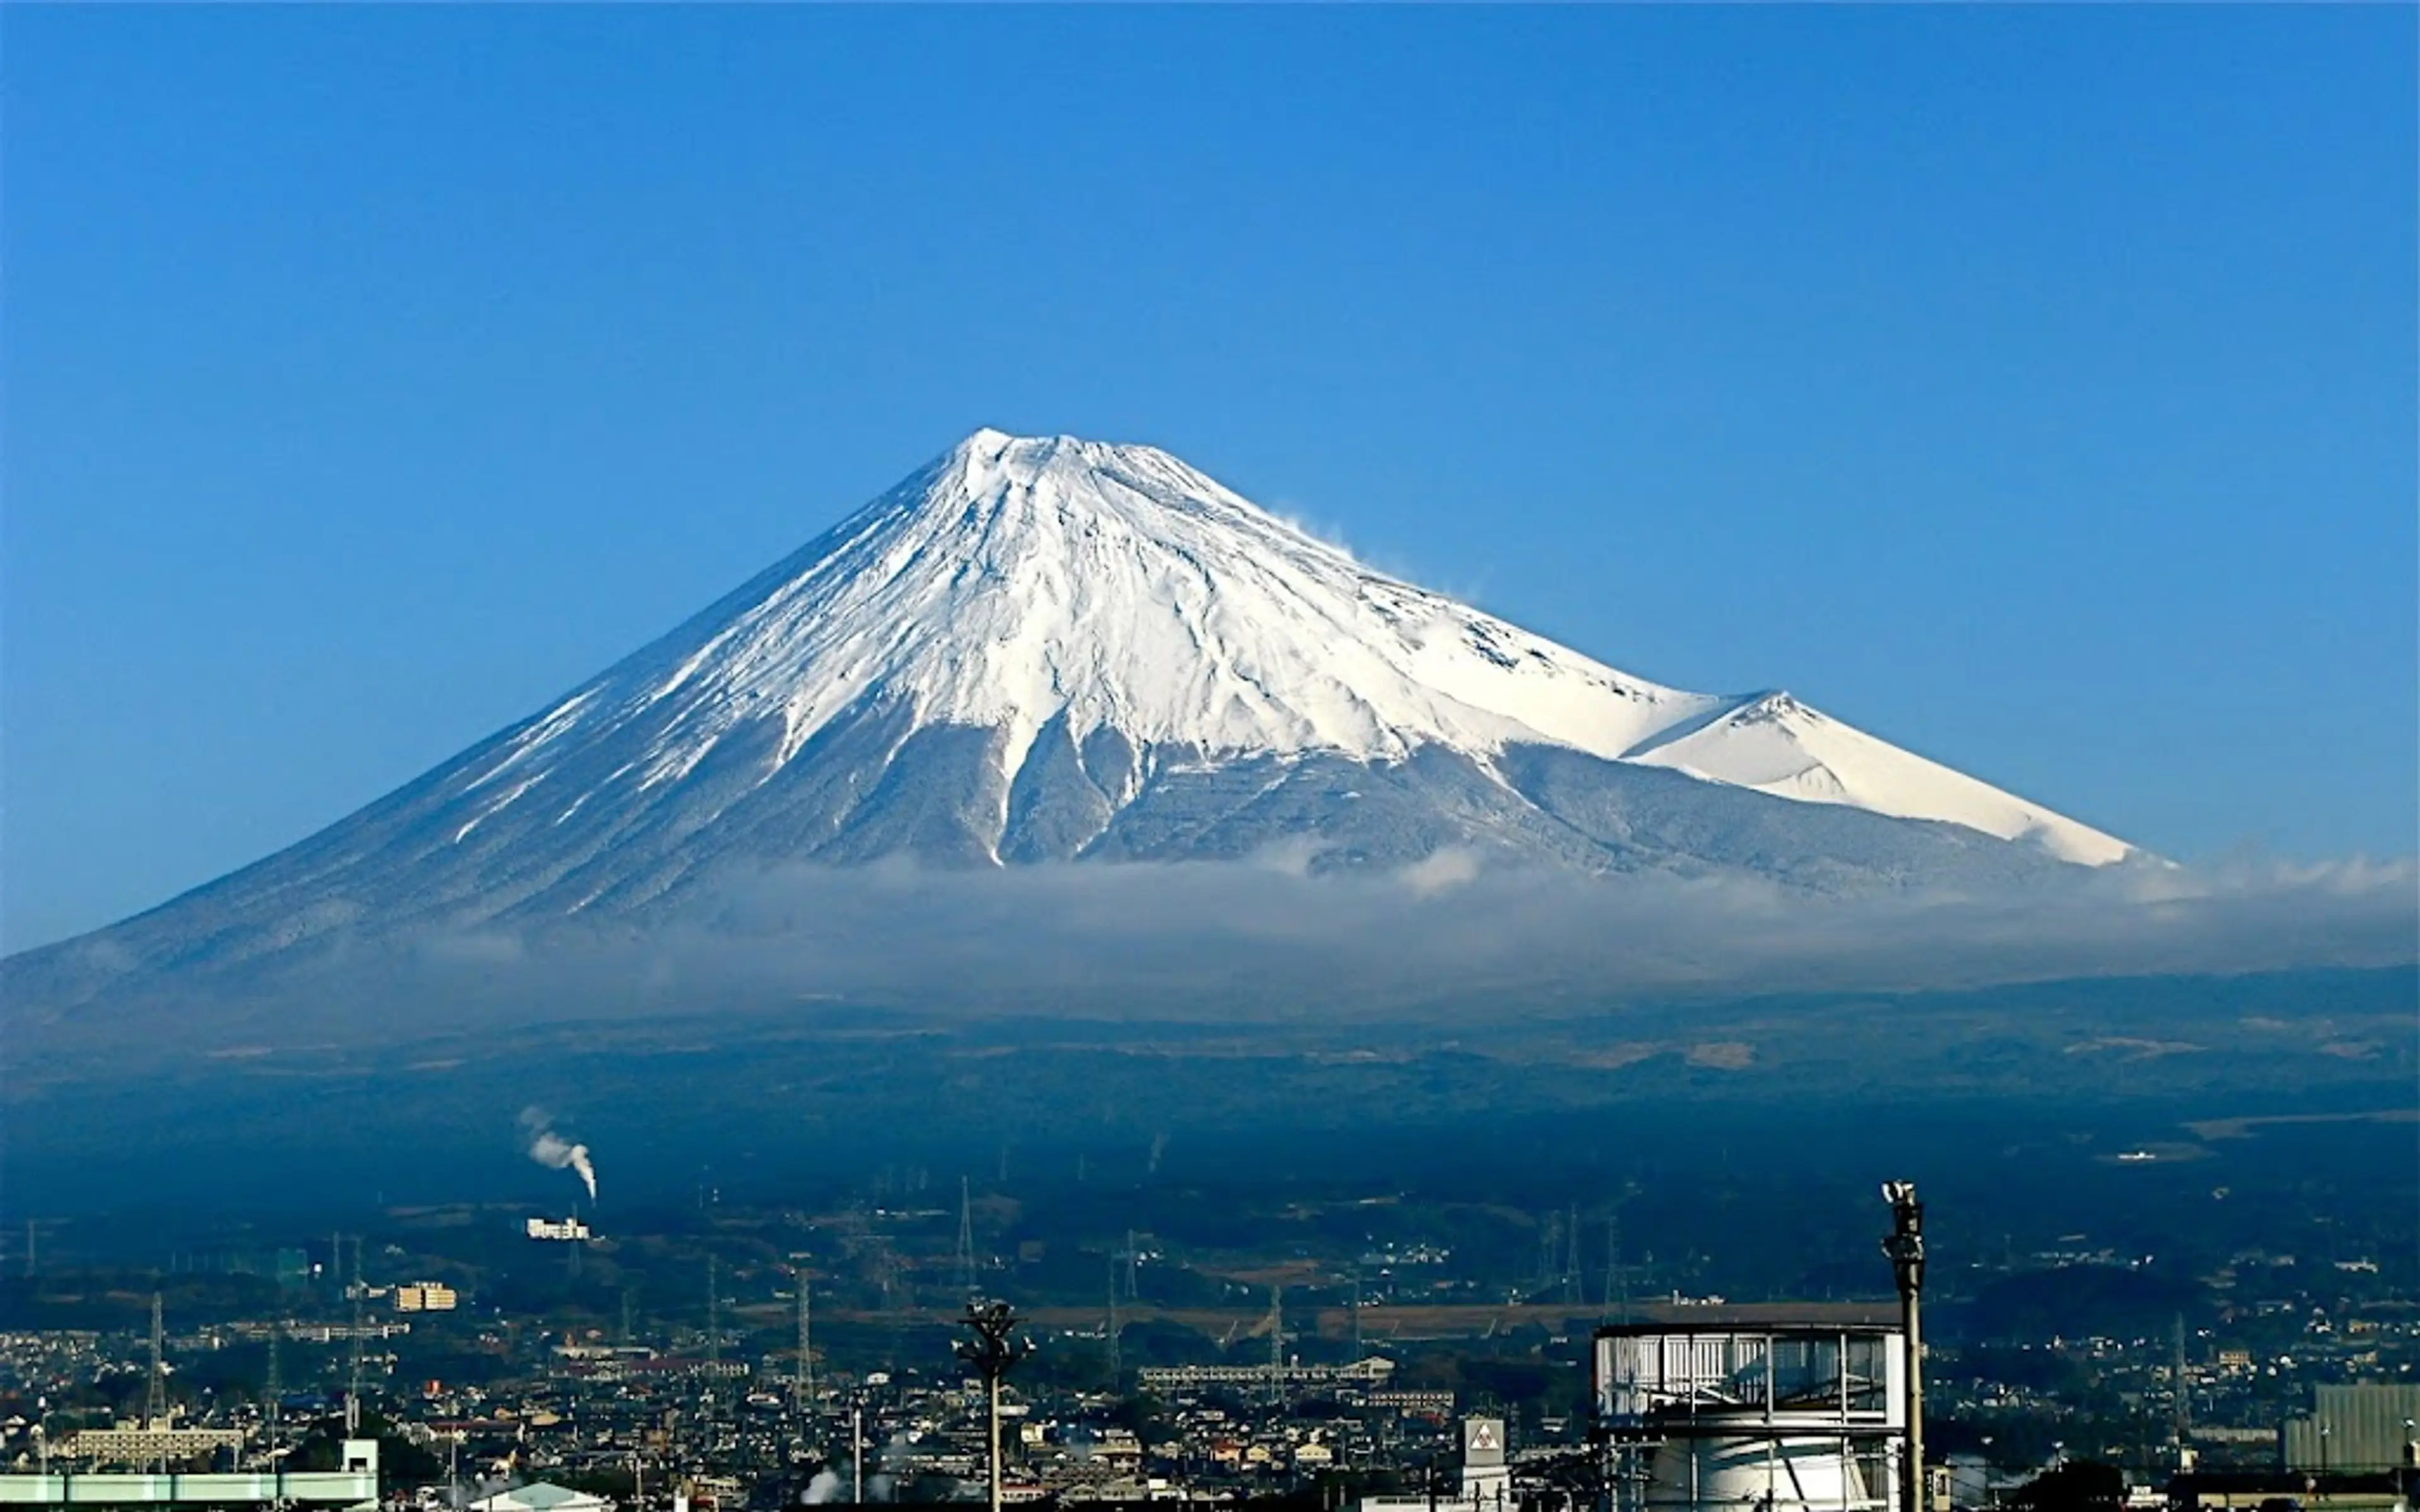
1018	582
1774	743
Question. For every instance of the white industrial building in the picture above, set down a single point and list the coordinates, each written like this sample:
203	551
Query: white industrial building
1791	1409
354	1485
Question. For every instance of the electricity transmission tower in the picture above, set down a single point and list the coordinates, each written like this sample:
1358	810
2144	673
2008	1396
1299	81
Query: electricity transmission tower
353	1391
274	1389
966	1240
155	1397
1356	1315
805	1379
1117	1368
1277	1343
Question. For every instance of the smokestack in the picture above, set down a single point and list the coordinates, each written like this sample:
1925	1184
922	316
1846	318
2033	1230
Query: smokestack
557	1154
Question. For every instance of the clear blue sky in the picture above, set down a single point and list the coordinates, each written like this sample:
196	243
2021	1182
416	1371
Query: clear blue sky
2032	387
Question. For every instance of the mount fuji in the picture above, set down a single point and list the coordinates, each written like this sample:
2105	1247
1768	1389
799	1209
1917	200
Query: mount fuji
1053	650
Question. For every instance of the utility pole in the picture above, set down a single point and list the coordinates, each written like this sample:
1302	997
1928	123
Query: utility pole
1905	1247
993	1350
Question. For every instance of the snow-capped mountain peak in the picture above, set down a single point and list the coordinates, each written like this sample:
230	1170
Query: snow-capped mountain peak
1020	579
1055	649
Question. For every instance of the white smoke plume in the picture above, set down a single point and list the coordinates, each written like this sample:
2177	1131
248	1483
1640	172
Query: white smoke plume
553	1152
825	1487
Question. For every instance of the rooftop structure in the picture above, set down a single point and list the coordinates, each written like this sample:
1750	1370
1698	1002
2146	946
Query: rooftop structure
1800	1413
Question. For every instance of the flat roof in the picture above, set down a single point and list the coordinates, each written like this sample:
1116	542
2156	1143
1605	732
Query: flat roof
1669	1317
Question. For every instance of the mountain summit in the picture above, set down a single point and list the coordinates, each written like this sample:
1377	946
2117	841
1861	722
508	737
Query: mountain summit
1047	648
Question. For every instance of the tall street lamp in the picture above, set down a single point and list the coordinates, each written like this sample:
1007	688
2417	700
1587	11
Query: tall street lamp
1905	1247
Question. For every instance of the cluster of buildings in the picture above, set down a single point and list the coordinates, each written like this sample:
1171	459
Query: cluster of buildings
1692	1406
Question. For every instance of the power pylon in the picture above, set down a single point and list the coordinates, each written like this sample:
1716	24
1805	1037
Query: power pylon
353	1391
1117	1368
1356	1315
274	1389
155	1397
2181	1409
1277	1343
1617	1277
805	1379
966	1239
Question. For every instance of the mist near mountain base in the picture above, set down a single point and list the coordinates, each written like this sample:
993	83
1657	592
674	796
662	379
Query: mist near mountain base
1274	936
